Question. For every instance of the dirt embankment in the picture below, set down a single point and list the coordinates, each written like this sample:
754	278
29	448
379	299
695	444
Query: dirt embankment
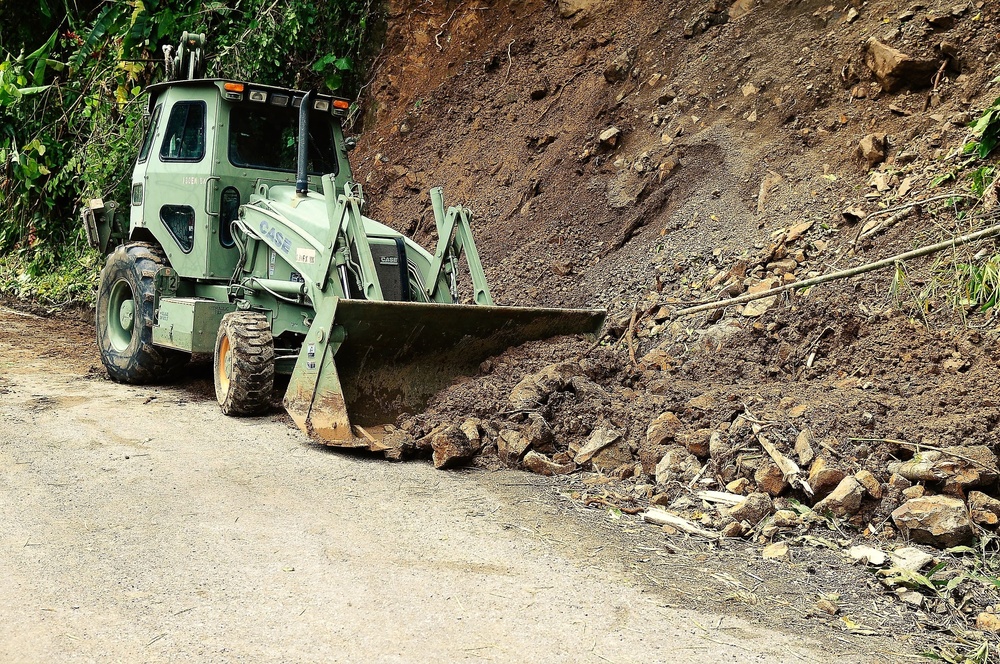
641	155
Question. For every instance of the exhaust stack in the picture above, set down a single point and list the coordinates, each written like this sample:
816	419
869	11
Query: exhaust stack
302	173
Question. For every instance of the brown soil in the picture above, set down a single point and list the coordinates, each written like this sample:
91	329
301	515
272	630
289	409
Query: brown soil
728	136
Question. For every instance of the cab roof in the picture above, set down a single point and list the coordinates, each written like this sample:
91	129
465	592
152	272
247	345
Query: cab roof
257	92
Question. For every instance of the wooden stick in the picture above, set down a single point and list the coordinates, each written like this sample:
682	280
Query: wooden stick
843	274
908	206
664	518
629	336
885	225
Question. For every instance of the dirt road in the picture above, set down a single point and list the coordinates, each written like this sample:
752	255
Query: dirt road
139	524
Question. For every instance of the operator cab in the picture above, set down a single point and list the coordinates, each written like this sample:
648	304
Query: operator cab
209	144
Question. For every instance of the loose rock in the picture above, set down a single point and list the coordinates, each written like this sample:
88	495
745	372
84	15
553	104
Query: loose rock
870	483
786	519
511	446
804	447
752	509
734	529
538	434
872	149
823	478
896	70
697	443
662	429
543	465
609	137
451	447
740	485
599	439
870	555
612	457
775	551
988	622
677	465
770	479
911	558
534	389
980	501
619	68
940	521
828	606
845	500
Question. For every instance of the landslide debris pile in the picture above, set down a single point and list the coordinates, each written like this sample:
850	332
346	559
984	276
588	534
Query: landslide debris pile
645	156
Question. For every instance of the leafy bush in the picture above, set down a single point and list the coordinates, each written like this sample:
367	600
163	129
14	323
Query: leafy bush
987	131
71	110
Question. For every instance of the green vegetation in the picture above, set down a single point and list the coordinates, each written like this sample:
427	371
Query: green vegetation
967	283
986	131
71	105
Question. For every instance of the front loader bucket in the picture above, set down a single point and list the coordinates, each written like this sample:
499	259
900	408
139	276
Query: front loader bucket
364	362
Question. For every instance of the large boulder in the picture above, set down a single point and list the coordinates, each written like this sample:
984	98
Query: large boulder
895	70
940	521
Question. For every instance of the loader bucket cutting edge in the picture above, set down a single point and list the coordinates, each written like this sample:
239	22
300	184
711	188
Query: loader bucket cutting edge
364	362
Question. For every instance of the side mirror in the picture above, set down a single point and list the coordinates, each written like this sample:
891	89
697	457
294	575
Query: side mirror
350	143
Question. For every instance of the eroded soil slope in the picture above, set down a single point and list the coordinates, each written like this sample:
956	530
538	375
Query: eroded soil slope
644	155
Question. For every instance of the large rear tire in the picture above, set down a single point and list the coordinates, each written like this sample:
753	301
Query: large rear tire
125	317
244	363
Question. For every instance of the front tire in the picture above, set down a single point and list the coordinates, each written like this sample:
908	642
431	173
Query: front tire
244	363
125	317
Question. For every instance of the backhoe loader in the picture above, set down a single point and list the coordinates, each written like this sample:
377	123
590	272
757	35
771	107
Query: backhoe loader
245	236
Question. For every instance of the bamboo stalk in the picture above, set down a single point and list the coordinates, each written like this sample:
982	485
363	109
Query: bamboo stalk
843	274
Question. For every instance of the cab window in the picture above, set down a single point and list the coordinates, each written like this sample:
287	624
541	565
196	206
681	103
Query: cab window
184	138
265	138
147	142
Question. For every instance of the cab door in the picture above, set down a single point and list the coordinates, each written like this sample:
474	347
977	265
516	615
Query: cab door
181	201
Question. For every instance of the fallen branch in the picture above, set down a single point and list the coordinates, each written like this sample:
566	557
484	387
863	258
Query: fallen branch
843	274
630	335
868	231
727	499
664	518
901	212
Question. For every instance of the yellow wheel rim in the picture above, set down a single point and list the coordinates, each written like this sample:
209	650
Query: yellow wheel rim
225	368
